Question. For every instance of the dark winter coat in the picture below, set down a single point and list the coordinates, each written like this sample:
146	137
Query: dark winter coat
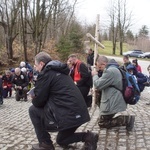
7	80
141	79
90	59
21	80
62	101
86	79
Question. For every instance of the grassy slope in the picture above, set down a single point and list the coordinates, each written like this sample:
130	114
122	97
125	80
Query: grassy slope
108	48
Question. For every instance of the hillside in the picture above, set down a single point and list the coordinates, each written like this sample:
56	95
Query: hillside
51	49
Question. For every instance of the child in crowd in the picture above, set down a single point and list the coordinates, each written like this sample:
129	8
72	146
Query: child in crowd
135	63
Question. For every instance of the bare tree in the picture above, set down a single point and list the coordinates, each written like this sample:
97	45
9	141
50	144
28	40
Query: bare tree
112	12
9	10
36	21
124	21
46	19
114	28
23	13
120	21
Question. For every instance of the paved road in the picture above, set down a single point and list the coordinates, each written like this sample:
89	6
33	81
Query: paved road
17	133
16	130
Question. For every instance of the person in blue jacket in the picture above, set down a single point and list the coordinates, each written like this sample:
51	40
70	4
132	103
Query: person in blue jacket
141	78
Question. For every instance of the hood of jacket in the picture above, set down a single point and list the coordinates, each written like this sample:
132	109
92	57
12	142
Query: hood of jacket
57	66
132	67
112	62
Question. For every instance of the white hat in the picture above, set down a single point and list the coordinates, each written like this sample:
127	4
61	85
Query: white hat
24	69
22	64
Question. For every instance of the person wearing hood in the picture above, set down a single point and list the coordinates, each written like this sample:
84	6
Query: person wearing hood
135	63
141	78
112	101
58	106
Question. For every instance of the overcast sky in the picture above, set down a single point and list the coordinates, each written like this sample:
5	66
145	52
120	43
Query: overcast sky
87	11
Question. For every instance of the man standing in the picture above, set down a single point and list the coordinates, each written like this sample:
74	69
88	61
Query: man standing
58	106
81	76
90	58
112	100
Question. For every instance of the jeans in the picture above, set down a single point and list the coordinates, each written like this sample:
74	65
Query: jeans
64	137
36	116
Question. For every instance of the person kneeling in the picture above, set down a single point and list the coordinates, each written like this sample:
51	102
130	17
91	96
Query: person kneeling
58	105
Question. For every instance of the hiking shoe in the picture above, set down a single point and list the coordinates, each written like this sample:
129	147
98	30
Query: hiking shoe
91	140
130	123
43	146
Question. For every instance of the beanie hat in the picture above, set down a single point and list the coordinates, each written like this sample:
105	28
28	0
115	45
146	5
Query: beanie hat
134	61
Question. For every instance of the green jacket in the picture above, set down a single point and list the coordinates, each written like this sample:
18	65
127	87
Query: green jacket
112	100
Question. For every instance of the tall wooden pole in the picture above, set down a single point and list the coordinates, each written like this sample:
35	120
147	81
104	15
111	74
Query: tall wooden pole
95	55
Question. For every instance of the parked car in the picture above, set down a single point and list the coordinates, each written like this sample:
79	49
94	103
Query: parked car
145	55
133	53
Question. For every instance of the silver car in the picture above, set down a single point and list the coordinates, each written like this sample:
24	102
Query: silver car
144	55
133	53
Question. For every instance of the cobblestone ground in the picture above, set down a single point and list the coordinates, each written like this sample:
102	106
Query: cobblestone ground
17	133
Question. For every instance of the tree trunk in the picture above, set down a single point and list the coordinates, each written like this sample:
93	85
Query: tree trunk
9	48
121	46
114	48
24	29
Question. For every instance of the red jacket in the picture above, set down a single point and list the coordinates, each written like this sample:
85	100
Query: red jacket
77	75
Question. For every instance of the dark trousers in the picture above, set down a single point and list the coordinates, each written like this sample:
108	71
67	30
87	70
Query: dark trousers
64	137
7	91
84	91
107	121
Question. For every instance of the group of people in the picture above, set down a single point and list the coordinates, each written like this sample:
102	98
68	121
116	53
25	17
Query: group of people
16	78
60	98
135	69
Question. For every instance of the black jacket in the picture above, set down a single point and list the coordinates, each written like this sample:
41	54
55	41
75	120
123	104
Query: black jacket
90	59
62	101
21	80
86	78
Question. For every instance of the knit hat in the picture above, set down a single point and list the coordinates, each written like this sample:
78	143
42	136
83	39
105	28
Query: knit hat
134	61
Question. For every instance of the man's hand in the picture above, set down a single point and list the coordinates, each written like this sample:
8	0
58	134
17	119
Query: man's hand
94	72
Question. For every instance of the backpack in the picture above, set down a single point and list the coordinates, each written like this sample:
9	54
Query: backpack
131	91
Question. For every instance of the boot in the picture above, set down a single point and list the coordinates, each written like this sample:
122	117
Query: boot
130	123
91	140
43	146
